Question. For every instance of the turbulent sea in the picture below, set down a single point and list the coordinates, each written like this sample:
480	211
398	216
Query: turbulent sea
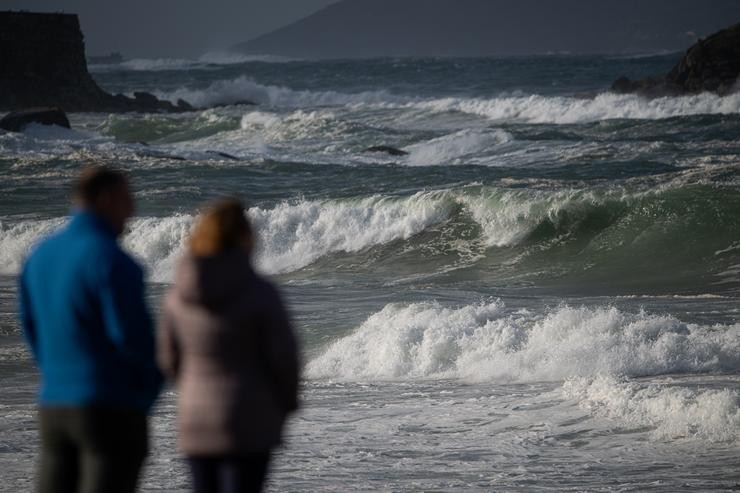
541	296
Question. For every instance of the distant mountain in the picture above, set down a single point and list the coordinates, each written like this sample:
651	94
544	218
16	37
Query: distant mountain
370	28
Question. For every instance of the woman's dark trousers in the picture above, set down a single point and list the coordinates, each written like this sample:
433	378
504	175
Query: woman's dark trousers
229	474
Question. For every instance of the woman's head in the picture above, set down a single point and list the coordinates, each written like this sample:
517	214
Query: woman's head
220	228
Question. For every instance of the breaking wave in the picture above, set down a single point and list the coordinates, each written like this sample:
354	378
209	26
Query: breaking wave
687	229
16	239
246	89
485	342
292	235
456	147
672	412
504	108
594	351
568	110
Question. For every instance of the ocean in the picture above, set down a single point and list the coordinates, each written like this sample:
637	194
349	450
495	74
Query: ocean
542	295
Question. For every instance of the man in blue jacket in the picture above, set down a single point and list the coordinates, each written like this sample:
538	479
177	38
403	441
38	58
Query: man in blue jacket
84	316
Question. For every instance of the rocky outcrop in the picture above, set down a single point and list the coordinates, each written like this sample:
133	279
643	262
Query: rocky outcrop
42	63
16	121
712	64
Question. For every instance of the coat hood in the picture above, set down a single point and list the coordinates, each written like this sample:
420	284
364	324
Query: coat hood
212	281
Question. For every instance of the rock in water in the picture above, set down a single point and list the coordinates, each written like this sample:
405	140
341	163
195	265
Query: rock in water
42	63
712	64
388	150
18	120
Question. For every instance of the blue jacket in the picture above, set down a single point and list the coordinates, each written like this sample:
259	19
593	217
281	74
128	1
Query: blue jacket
84	316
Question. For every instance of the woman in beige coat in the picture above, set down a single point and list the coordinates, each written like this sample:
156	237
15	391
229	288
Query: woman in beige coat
225	339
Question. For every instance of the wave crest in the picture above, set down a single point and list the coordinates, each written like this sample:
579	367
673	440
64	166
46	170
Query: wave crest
672	412
484	342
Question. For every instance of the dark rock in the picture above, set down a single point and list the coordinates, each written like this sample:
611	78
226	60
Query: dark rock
42	63
241	102
18	120
184	105
624	85
388	150
712	64
146	98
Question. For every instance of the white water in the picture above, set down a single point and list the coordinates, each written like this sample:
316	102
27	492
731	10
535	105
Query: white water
292	235
593	350
458	147
673	412
295	235
605	106
527	109
485	342
245	88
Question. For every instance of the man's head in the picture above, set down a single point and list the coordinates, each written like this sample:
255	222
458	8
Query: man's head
105	191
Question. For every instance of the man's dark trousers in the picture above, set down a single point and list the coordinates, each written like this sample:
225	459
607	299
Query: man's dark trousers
91	449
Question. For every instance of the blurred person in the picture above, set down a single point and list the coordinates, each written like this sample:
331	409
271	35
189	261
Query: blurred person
225	338
85	319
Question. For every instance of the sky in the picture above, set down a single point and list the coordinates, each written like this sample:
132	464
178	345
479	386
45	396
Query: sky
171	28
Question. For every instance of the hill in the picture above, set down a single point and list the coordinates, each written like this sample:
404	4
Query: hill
372	28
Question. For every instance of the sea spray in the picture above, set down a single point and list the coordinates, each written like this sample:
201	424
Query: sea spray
245	88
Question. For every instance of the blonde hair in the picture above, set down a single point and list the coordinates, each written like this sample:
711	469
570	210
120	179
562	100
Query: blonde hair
220	228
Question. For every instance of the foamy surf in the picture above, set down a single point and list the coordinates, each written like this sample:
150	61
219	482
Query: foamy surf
533	108
624	227
671	411
485	342
464	146
245	88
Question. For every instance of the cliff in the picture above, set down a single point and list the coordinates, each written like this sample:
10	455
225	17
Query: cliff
712	64
374	28
42	63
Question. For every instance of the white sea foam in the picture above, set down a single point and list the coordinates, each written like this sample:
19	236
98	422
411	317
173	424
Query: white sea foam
293	235
605	106
16	239
484	342
505	108
296	125
158	242
673	412
508	216
456	147
245	88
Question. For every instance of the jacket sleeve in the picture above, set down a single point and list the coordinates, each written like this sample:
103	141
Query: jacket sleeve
26	315
168	350
127	320
282	353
